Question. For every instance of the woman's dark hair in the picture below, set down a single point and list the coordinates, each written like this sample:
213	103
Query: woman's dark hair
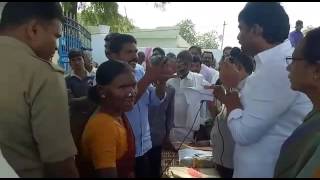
311	48
270	16
106	73
237	57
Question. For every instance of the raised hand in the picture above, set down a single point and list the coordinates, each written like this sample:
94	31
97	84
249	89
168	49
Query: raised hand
229	74
230	99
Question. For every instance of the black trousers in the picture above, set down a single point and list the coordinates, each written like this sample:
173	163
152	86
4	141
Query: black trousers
155	161
142	168
224	172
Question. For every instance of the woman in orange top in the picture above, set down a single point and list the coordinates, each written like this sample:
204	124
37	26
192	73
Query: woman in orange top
107	143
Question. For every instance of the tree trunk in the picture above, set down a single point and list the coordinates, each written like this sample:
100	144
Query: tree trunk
74	10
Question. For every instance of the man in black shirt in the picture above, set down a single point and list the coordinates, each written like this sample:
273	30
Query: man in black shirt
79	80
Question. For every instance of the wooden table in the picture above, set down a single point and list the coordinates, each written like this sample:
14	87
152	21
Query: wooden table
178	171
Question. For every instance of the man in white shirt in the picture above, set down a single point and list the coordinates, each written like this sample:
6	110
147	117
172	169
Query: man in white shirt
209	67
210	74
208	59
184	110
221	137
267	111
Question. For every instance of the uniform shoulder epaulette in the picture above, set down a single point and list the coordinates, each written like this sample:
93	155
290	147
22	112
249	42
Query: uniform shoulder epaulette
53	66
57	68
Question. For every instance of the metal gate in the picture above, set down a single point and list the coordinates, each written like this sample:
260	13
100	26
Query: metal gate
73	36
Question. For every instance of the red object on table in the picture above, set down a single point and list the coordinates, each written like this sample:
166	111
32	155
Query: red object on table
194	173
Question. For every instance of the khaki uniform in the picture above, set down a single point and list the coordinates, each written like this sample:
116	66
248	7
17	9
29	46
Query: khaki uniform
34	117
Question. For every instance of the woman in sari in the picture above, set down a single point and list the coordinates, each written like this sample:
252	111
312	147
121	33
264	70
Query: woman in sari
300	153
107	143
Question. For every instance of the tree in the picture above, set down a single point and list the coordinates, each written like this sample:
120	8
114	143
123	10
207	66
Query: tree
187	31
105	13
206	40
71	7
307	29
95	13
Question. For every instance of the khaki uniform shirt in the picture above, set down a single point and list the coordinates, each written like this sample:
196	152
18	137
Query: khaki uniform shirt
34	118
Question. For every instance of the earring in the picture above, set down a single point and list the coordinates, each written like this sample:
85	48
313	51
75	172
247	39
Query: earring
103	96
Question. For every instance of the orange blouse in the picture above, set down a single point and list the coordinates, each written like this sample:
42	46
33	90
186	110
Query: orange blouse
105	142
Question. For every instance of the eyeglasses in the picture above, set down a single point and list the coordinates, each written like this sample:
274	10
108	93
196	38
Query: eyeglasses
290	59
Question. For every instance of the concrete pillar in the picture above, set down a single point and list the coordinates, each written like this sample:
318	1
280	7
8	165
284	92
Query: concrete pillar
98	33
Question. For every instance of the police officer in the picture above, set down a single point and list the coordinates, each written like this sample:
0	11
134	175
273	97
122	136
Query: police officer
35	135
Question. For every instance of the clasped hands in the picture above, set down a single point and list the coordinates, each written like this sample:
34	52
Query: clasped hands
227	93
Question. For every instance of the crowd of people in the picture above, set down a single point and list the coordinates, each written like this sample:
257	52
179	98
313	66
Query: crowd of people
115	120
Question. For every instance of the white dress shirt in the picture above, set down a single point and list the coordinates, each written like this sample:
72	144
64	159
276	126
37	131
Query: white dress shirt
271	112
211	75
183	108
215	76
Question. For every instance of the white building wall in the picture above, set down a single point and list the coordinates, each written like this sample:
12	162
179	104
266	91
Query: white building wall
97	42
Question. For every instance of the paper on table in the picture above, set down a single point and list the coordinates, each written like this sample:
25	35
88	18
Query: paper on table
189	153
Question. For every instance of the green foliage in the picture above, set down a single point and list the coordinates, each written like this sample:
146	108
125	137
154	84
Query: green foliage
206	40
106	13
95	13
187	31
